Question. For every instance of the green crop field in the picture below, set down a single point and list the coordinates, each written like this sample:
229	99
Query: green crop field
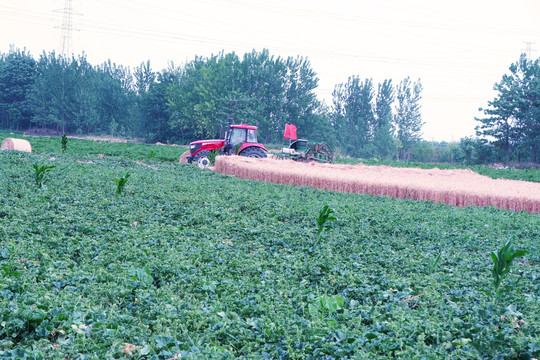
184	263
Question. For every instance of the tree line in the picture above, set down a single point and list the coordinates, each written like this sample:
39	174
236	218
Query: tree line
184	103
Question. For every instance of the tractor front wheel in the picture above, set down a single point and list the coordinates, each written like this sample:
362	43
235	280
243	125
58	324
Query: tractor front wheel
202	159
254	152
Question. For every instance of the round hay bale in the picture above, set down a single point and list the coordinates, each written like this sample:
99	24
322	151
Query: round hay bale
16	144
183	158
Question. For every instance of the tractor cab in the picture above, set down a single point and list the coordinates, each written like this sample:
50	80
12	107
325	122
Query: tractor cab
239	137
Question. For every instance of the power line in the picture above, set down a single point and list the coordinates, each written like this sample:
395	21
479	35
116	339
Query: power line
308	47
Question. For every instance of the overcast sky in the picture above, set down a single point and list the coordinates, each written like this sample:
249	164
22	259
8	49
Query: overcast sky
458	49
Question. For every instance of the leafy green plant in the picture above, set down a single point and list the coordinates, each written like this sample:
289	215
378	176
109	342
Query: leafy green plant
435	262
141	274
64	142
121	183
502	263
325	305
325	215
9	267
237	148
152	154
212	156
40	174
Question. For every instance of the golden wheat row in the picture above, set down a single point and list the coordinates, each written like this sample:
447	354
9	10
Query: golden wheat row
452	187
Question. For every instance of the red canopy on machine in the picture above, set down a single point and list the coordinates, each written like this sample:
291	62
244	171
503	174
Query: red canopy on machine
290	132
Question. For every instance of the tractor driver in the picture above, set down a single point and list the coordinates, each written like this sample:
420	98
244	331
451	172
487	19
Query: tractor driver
238	137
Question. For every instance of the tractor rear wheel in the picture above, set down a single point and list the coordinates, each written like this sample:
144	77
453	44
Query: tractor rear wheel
202	159
254	152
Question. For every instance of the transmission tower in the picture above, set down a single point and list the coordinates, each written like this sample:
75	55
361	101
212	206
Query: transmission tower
66	44
529	48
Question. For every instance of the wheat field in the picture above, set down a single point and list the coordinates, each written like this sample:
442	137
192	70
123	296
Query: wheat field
453	187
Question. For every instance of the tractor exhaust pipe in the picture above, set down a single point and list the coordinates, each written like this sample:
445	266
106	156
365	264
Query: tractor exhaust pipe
222	132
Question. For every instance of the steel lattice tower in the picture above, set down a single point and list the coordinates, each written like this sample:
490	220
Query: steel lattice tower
529	48
66	45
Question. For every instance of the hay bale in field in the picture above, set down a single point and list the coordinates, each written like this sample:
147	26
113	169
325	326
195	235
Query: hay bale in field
16	144
183	158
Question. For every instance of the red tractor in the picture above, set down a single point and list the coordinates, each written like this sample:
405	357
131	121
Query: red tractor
237	140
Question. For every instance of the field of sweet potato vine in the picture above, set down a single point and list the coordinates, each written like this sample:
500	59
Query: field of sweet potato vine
186	263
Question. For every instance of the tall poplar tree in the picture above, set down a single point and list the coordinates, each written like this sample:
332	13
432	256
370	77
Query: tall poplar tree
17	77
383	128
408	119
352	103
263	78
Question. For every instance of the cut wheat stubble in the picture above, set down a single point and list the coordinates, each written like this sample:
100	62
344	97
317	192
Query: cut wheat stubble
453	187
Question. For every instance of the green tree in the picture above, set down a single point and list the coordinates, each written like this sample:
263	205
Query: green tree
239	107
192	101
260	90
144	77
115	99
323	128
69	95
51	93
64	95
382	127
83	105
476	151
466	145
354	117
500	123
527	76
262	81
408	119
17	77
72	96
513	121
300	102
231	99
155	110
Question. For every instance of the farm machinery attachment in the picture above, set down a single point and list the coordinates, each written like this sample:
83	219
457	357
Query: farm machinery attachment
303	150
236	140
